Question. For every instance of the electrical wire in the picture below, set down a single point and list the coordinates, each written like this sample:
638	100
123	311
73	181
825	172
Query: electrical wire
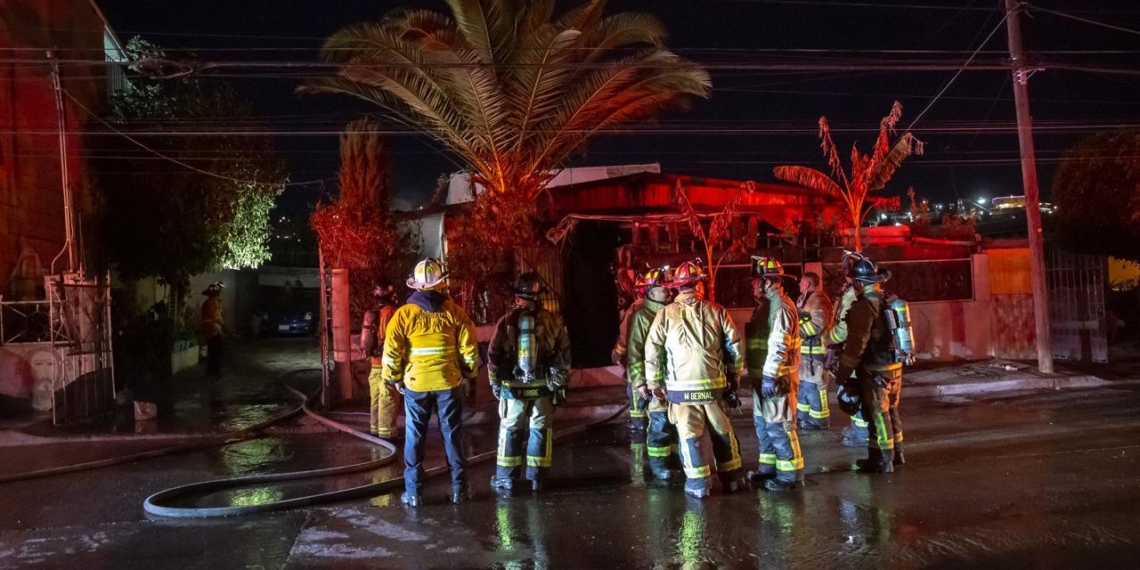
181	163
1091	22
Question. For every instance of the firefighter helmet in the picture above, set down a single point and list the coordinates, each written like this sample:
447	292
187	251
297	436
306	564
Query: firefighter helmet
848	397
428	274
860	268
529	286
384	291
214	288
767	267
687	275
656	277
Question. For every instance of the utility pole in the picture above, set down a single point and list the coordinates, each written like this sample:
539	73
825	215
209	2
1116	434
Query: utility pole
68	214
1029	181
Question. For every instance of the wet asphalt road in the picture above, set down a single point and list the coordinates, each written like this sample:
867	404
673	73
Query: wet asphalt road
1047	480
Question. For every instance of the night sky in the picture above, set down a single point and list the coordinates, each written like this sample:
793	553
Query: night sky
755	119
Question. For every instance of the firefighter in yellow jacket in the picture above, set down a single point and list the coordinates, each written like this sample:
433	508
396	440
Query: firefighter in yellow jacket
430	357
529	368
812	411
661	436
870	353
385	402
693	358
774	339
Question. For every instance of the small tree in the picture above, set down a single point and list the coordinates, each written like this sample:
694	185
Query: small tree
867	173
358	232
1097	195
210	209
719	233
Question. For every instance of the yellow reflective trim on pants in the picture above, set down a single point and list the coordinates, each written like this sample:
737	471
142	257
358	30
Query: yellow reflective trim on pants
547	452
802	407
509	461
898	437
819	415
697	472
859	423
532	461
664	451
730	465
824	406
636	413
884	442
793	465
768	458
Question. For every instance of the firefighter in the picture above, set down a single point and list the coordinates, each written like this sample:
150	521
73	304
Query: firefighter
620	356
384	399
661	437
693	358
871	354
213	328
430	357
776	337
812	412
529	367
856	434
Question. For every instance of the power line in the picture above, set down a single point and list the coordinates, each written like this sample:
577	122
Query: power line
1082	20
176	161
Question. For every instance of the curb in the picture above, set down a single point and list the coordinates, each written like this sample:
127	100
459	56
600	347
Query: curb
1007	385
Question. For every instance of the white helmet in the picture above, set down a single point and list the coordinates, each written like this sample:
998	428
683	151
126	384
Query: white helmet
428	274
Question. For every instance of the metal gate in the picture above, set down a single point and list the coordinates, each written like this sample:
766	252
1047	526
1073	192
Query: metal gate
80	333
1076	283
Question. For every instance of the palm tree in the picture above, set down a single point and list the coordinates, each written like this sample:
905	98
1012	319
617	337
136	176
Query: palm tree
867	173
508	87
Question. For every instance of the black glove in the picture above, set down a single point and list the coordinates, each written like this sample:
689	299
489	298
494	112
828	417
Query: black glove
768	387
730	396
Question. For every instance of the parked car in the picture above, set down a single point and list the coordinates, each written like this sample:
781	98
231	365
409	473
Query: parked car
295	313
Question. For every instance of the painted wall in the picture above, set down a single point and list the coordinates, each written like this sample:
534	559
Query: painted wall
31	202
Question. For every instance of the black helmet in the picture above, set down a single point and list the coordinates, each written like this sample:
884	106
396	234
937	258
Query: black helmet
848	397
384	291
529	286
860	268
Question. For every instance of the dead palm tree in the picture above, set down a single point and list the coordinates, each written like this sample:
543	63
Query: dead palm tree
507	86
867	173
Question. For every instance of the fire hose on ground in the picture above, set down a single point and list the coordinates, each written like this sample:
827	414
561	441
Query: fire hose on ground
158	503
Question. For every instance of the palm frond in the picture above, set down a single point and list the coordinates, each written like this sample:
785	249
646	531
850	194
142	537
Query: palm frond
624	30
830	152
808	178
535	15
488	26
540	76
583	17
886	128
885	167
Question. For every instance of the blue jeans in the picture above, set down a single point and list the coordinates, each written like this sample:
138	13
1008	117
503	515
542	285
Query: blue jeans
418	407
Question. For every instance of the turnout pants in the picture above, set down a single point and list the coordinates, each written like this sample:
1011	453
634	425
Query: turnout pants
418	407
879	392
638	408
215	351
812	408
385	404
661	437
775	420
691	420
514	417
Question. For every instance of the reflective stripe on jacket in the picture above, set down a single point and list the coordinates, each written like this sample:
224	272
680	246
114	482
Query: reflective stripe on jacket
430	350
864	324
552	352
814	311
638	331
621	347
691	346
774	343
383	317
838	332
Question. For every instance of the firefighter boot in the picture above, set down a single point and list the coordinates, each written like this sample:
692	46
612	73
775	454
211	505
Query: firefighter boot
877	461
733	481
899	459
780	485
412	500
